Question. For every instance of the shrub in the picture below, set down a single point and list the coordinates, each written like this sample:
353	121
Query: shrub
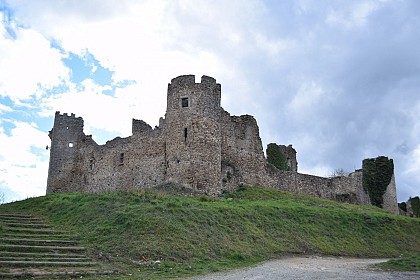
276	157
377	174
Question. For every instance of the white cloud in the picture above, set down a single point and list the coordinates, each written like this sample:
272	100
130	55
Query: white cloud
356	15
23	160
28	64
317	170
308	95
273	47
4	108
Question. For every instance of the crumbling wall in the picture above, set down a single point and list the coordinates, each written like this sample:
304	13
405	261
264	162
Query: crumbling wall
341	188
390	202
124	163
242	155
140	127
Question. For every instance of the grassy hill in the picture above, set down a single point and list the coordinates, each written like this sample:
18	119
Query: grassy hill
192	235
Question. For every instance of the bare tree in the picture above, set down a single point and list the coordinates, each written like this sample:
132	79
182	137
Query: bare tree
339	172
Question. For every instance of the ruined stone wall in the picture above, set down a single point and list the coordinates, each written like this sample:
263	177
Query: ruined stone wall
242	155
390	197
340	188
124	163
290	155
363	196
140	127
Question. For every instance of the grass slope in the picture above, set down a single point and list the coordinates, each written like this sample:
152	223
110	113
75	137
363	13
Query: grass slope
192	235
402	264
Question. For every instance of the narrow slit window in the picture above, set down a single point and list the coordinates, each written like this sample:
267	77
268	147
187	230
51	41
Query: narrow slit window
184	102
122	158
185	134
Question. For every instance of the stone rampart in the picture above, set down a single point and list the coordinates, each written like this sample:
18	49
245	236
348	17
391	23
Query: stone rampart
197	145
340	188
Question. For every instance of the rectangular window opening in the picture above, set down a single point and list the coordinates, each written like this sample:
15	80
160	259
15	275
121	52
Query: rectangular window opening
184	102
122	158
71	145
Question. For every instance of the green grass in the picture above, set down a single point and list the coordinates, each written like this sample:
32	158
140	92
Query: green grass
196	235
402	264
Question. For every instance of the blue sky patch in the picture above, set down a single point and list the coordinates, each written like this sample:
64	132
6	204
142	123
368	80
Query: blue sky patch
8	15
87	67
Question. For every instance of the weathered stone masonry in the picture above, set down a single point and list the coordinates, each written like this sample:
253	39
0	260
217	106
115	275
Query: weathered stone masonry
197	144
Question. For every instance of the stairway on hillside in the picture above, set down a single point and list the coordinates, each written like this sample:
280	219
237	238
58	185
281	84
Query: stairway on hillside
31	247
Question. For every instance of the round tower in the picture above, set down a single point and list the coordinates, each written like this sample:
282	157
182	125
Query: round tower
66	137
192	132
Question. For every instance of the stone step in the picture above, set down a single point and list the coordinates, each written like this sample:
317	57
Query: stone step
41	255
26	241
58	272
33	230
44	259
43	236
26	225
24	263
17	216
29	248
21	220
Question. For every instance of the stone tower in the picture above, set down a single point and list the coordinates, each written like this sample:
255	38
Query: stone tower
192	131
66	137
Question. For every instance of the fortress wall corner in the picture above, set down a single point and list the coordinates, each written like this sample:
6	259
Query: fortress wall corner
390	197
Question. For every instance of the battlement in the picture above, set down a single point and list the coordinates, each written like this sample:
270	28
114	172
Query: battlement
184	80
66	120
185	96
208	80
187	81
65	115
67	123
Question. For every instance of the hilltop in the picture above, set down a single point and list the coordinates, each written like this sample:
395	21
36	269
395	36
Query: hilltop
184	235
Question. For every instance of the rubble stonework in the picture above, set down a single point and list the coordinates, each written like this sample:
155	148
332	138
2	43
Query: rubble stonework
197	145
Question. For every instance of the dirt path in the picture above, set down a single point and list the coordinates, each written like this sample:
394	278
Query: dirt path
314	268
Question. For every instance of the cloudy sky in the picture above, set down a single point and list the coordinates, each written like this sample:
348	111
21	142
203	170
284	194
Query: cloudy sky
340	80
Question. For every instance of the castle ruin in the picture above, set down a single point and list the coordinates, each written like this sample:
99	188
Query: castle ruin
197	145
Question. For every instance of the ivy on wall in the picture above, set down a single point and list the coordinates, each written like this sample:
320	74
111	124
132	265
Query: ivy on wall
403	206
415	205
377	174
276	157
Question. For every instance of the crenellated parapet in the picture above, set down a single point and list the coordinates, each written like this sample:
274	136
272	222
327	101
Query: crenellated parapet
187	98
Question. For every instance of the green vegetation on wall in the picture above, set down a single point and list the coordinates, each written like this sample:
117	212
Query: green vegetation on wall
415	205
403	206
377	174
276	157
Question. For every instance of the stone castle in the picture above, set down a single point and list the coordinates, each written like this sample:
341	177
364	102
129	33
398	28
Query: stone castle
197	145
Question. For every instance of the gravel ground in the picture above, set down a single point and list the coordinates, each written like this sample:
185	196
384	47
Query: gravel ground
314	268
